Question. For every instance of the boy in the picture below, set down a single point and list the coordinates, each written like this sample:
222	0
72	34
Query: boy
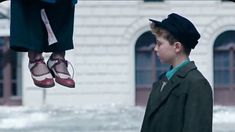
181	101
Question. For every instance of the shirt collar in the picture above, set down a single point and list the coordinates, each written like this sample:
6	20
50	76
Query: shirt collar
172	71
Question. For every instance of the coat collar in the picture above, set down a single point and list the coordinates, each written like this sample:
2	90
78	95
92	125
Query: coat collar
185	70
159	97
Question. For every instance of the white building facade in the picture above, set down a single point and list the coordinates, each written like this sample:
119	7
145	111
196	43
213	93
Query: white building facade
104	58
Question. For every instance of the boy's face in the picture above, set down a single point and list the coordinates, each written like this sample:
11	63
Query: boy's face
165	51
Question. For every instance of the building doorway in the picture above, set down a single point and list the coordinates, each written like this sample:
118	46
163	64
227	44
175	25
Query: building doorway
224	69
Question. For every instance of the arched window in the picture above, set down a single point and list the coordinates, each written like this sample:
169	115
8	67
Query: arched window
148	66
224	68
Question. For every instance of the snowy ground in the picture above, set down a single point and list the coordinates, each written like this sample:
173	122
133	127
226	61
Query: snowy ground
90	119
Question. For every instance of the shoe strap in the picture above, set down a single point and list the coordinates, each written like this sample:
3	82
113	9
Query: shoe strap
33	63
69	63
53	62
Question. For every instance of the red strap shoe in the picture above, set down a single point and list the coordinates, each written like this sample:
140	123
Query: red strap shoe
60	77
44	80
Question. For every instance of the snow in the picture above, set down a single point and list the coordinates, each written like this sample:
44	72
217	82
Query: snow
91	119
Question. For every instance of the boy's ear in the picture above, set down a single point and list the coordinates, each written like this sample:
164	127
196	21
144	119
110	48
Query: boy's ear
178	47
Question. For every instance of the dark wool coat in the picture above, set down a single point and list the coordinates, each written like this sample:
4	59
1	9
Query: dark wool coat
54	1
50	1
2	0
184	105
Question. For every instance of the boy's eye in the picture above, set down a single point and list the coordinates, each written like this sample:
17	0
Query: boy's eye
158	43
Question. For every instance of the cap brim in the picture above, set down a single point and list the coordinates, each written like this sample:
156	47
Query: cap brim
161	25
157	23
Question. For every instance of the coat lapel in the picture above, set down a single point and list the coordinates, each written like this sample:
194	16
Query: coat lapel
158	98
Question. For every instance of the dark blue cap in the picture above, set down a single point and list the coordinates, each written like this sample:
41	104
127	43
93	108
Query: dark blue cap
181	28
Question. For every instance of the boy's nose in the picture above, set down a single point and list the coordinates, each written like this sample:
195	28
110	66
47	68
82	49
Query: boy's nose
156	48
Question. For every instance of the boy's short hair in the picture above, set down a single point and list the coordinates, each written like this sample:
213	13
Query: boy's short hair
158	31
181	28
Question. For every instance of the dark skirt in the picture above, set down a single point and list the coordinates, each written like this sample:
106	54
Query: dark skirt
28	32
